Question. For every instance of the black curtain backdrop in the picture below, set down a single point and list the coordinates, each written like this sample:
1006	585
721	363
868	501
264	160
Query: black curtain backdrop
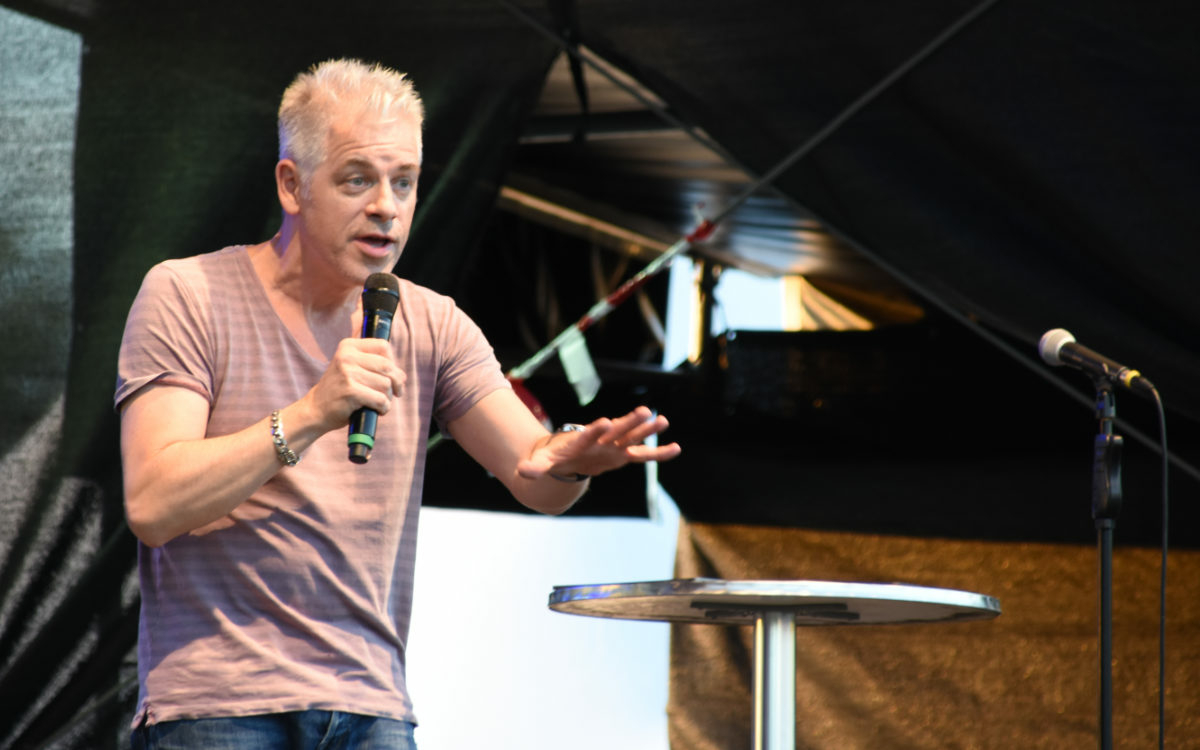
1036	171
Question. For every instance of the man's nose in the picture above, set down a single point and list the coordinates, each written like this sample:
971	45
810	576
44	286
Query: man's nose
383	202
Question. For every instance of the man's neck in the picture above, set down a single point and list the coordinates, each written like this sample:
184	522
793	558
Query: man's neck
318	313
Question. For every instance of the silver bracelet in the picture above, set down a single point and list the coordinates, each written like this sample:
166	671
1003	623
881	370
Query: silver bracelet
286	455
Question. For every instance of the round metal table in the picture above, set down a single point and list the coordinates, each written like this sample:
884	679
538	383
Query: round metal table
775	609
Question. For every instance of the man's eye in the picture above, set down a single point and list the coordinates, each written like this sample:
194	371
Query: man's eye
356	181
402	184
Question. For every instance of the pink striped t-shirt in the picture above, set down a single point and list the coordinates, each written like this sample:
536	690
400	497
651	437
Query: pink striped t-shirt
300	597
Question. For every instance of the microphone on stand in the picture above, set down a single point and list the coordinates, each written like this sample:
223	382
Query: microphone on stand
1058	348
381	295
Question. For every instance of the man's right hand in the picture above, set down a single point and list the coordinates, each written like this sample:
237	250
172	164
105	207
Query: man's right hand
362	372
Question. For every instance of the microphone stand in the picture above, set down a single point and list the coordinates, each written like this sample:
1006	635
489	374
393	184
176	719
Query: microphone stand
1106	505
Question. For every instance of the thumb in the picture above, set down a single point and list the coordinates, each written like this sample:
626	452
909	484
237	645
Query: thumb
530	468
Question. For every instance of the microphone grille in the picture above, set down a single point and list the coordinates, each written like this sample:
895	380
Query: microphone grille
1052	343
381	292
382	281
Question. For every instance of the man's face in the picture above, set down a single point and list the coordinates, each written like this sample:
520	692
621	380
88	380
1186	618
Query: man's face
356	214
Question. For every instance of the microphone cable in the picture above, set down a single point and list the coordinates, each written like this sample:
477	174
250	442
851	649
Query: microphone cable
1162	583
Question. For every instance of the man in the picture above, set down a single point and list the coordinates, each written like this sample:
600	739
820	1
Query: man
276	575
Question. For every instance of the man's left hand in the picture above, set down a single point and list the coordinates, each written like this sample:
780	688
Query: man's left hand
602	445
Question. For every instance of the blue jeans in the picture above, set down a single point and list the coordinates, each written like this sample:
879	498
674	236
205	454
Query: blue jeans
299	730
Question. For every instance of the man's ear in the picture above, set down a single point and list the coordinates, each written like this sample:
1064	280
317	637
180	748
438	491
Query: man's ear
287	185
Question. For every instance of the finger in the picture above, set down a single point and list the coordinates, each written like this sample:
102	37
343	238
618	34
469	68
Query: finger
373	391
529	470
646	453
591	434
352	356
631	420
635	426
375	355
371	379
395	375
644	430
381	347
619	427
382	364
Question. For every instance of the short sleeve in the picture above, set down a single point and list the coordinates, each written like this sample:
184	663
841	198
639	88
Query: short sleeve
467	370
167	338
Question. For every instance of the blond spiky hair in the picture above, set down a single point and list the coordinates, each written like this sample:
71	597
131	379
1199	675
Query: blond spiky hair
310	102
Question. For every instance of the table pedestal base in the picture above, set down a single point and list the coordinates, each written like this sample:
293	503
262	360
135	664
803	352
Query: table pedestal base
775	681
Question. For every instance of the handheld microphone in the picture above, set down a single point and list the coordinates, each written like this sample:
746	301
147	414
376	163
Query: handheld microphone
1058	347
381	295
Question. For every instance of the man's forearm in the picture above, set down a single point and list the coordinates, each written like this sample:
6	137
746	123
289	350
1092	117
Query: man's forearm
186	484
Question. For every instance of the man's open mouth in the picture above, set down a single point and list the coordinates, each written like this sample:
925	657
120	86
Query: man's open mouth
375	240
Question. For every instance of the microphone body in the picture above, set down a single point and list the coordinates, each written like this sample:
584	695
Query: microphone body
381	295
1058	348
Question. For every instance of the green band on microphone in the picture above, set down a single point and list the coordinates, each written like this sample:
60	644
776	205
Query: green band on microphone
358	437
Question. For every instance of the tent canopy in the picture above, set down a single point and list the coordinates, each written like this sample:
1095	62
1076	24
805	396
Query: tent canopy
1006	166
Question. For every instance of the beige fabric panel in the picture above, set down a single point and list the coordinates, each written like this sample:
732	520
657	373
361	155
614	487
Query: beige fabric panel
1028	679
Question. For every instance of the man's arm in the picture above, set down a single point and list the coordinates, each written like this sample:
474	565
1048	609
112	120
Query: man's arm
506	439
178	480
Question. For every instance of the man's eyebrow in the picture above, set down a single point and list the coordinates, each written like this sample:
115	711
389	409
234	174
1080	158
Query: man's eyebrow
357	162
